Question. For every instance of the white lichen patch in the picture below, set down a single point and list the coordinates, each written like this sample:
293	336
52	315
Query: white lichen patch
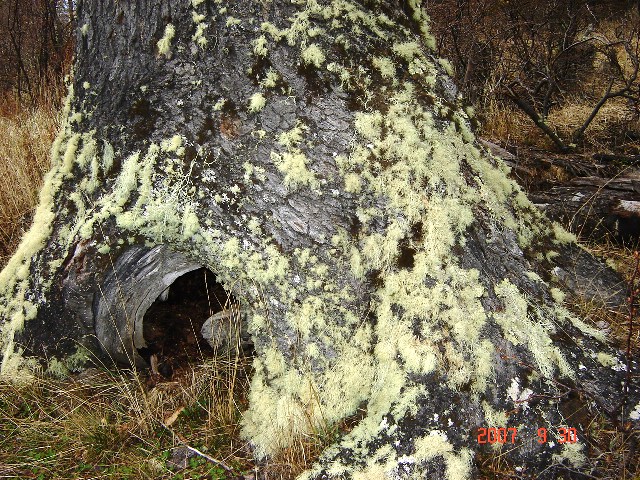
572	453
519	397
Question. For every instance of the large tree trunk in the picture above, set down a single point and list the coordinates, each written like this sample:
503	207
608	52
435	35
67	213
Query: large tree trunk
316	158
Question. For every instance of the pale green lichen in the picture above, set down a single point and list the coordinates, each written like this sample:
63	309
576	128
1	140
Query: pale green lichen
14	276
402	156
407	50
71	363
590	330
199	37
313	55
293	137
557	294
533	276
493	418
219	104
561	235
571	453
385	66
458	466
272	30
198	17
257	102
270	79
352	183
164	44
446	66
171	145
260	46
521	327
231	21
57	369
606	360
293	166
293	163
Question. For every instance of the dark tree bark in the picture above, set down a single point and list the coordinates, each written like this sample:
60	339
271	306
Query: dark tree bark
317	159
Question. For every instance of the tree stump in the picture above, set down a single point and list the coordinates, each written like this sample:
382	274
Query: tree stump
316	157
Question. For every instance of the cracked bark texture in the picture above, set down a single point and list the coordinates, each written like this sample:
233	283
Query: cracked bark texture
393	278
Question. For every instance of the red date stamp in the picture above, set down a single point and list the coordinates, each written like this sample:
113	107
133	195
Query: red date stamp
509	435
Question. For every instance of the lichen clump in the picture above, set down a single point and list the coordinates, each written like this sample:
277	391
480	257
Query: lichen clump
164	44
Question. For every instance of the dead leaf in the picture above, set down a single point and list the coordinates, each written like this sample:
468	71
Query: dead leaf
173	417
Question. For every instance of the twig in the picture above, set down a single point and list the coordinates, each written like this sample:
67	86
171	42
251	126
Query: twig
208	458
633	293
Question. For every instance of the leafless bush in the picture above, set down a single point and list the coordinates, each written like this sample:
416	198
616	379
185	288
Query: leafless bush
543	56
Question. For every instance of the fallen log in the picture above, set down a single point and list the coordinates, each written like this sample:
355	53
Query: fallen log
596	208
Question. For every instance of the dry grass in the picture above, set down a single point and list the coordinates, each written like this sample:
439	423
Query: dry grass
25	139
109	424
120	424
509	126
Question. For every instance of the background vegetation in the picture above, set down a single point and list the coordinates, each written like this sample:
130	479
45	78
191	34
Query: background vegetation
569	66
556	75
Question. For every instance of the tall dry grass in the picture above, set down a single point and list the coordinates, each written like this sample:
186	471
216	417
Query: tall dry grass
26	135
509	126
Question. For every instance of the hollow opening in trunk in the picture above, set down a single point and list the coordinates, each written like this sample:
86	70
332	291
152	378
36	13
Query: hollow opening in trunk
172	324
